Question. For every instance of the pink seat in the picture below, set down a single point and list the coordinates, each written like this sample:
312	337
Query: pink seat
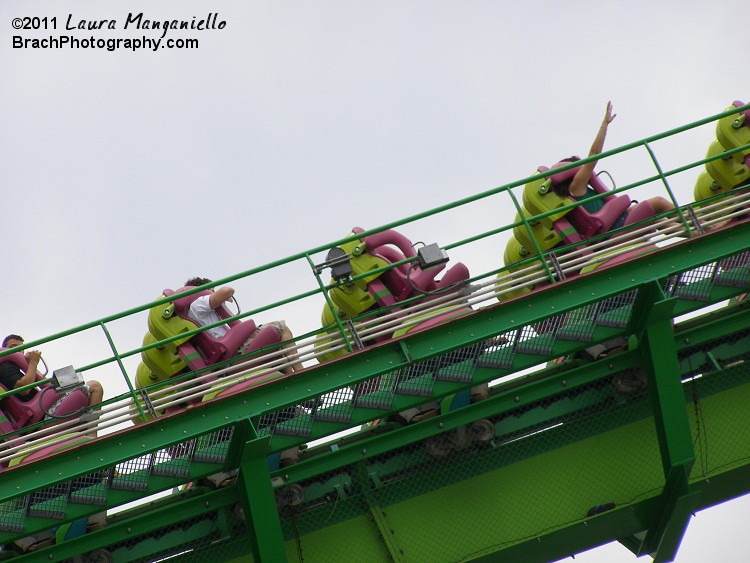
639	212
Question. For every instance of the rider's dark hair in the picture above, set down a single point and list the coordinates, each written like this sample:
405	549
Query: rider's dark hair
563	188
197	281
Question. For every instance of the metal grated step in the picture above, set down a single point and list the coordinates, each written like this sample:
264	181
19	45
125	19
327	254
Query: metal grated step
13	514
734	271
50	502
421	386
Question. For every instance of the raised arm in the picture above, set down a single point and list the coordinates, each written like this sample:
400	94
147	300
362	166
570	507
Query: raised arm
220	296
582	177
33	356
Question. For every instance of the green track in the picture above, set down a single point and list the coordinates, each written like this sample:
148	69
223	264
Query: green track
566	437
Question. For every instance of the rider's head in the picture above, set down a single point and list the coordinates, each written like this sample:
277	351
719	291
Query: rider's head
12	340
195	282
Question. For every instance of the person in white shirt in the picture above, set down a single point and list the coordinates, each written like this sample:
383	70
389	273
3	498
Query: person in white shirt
203	312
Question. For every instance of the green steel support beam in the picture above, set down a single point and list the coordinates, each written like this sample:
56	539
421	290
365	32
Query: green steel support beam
676	509
378	515
673	430
259	503
648	294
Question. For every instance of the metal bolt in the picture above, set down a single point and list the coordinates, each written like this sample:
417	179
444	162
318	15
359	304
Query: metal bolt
364	451
440	425
564	383
517	399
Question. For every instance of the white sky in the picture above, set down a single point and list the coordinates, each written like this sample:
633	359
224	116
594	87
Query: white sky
126	172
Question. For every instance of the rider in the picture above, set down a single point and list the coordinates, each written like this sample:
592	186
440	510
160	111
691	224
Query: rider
203	312
12	377
578	188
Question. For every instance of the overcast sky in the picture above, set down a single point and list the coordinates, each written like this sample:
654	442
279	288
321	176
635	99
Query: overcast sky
124	173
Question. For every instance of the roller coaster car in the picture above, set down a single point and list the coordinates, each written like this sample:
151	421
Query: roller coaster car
540	197
165	322
385	291
197	351
394	285
388	288
20	413
561	227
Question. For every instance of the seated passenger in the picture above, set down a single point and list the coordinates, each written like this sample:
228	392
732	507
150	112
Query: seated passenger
12	377
578	187
203	312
